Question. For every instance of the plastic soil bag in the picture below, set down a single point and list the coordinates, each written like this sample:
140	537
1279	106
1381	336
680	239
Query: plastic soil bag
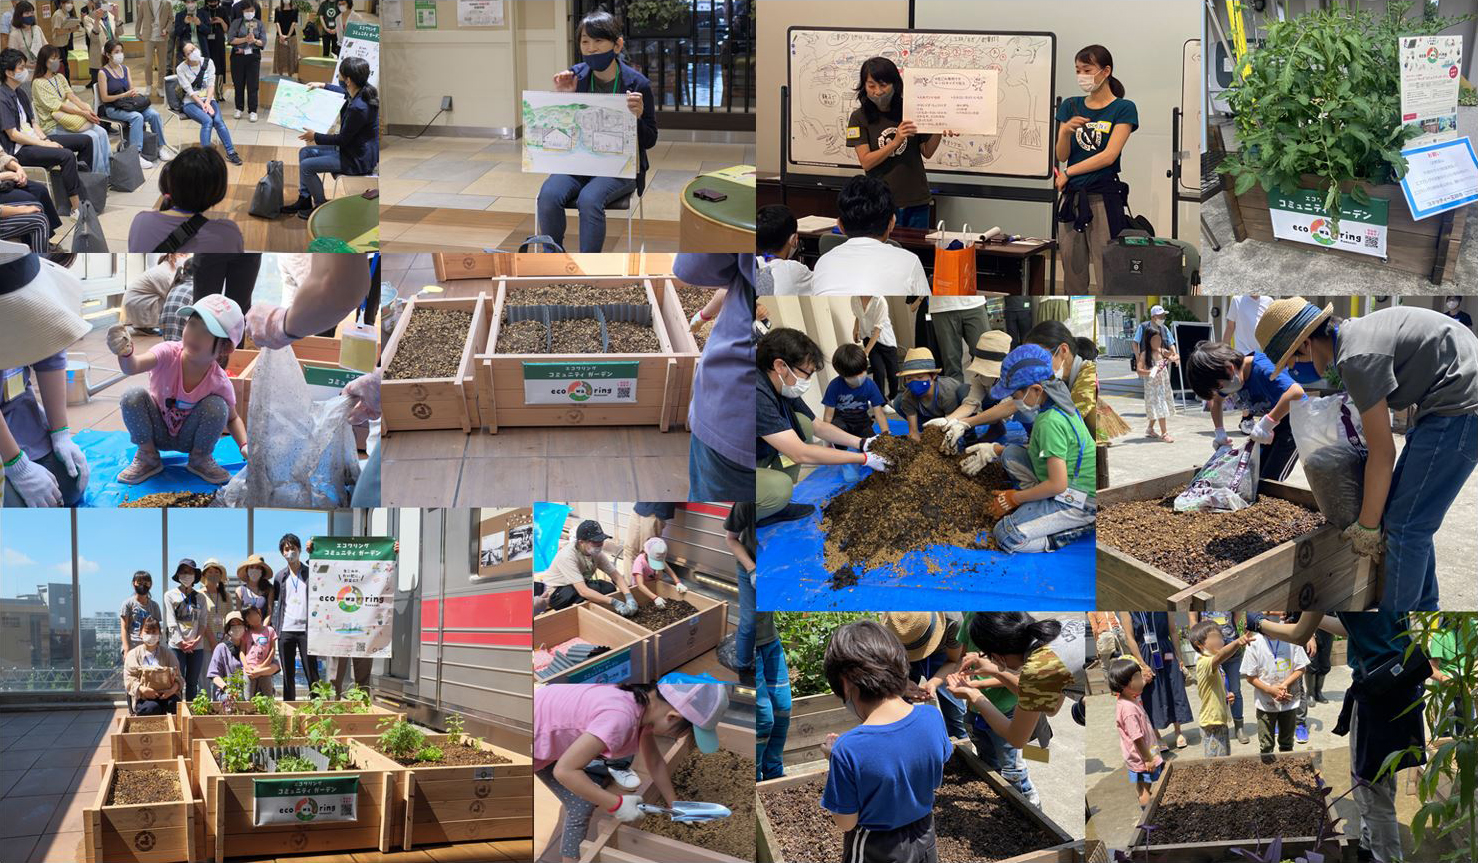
301	452
1226	483
1331	445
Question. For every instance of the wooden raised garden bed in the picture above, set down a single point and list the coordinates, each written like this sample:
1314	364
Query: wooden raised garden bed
143	832
678	642
418	404
1064	849
193	727
230	798
812	717
663	380
1425	248
1318	570
349	723
316	349
625	662
129	744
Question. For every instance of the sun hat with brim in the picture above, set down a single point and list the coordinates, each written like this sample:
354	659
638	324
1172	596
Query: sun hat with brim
39	303
656	551
255	560
220	314
920	632
212	562
1024	366
236	616
184	564
702	704
988	352
918	361
1285	325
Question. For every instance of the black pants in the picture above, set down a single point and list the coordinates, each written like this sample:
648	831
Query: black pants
911	843
884	363
55	157
330	42
923	334
33	194
236	271
565	596
1018	322
289	645
246	69
216	48
1277	458
859	424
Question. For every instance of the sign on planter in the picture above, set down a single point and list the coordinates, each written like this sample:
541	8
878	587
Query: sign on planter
1301	217
579	383
612	668
351	595
305	801
1429	85
1440	177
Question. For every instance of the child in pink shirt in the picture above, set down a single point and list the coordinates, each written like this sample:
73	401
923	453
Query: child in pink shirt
189	401
260	650
651	565
1137	739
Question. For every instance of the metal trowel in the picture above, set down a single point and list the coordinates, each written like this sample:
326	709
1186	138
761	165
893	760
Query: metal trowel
688	811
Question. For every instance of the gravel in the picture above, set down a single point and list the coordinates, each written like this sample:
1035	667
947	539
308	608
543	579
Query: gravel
176	499
132	787
578	336
522	337
629	338
431	346
577	294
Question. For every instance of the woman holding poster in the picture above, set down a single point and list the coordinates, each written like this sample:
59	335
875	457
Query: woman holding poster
890	147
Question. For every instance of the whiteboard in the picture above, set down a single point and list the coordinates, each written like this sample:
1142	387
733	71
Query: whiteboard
822	74
1192	122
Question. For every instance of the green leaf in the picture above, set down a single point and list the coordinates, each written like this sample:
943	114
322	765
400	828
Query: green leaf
1244	182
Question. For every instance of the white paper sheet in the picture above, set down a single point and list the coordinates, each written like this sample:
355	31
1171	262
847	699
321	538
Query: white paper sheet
584	134
297	107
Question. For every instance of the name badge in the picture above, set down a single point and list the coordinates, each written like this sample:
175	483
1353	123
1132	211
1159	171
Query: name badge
15	383
1076	498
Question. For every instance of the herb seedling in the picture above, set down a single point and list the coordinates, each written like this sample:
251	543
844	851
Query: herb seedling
430	753
402	740
238	748
295	764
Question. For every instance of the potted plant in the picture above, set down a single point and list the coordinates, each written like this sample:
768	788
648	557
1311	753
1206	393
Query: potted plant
659	19
201	717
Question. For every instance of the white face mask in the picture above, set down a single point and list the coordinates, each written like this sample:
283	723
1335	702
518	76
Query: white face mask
855	381
22	76
193	59
1025	410
1232	385
797	389
291	555
234	633
1087	83
186	581
151	638
118	58
248	14
53	64
1452	305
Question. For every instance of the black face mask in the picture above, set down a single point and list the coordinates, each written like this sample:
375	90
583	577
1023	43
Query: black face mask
600	62
141	589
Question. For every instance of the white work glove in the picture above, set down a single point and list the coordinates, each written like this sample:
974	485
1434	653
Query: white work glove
955	430
1262	430
752	578
1368	542
365	390
1220	439
681	588
34	483
937	423
876	462
70	455
267	325
977	457
118	341
627	810
660	602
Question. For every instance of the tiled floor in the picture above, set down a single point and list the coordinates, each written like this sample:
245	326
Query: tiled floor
49	773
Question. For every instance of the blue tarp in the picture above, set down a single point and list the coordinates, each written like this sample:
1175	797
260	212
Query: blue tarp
793	575
110	452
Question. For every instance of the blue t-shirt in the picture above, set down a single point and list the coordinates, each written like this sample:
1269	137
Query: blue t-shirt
850	402
887	774
1093	136
1261	389
664	511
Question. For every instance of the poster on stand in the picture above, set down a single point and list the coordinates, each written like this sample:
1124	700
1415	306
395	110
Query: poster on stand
351	596
1430	73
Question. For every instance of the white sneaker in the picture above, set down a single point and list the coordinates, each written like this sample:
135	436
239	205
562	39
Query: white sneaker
254	116
145	163
1034	798
237	115
625	778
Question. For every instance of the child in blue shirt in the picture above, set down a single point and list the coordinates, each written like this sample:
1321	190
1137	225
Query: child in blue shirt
1221	375
853	400
883	773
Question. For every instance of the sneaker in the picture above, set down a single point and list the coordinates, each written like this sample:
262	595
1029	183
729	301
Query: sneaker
728	657
206	467
625	778
1034	798
791	512
1301	733
145	163
1242	734
253	116
145	464
306	212
233	158
237	115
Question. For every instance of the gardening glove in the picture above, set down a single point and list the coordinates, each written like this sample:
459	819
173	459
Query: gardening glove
752	578
118	341
624	609
70	455
680	588
267	325
1003	503
1368	542
365	391
1262	430
1220	439
660	602
696	322
34	483
627	810
939	422
953	431
867	442
977	457
876	462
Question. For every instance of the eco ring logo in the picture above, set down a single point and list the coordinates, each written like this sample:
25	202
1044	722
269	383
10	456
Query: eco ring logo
579	391
1319	230
1432	54
305	809
350	599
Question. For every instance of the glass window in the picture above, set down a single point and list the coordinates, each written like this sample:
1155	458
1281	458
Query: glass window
36	601
113	544
270	525
201	534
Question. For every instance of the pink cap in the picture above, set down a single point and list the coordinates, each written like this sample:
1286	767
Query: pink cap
702	704
656	549
221	316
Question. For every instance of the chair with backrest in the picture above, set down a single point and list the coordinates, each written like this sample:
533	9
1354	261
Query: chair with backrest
620	205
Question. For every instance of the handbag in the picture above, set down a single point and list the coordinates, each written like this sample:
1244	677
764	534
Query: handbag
136	104
95	188
310	32
266	199
954	269
68	121
88	235
1396	675
125	173
150	149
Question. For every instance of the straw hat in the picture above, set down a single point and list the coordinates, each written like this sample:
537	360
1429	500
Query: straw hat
988	352
918	361
39	305
255	560
1285	326
920	632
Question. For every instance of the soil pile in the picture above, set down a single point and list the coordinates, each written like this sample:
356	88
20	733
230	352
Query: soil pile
177	499
147	723
1234	799
1193	546
654	618
521	337
576	336
576	294
431	346
923	499
801	826
631	338
974	823
454	755
694	299
722	777
132	787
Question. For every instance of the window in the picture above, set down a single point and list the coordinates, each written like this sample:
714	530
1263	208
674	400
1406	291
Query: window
36	601
202	534
113	544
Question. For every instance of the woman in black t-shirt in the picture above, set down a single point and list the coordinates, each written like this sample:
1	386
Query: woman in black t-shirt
888	146
285	53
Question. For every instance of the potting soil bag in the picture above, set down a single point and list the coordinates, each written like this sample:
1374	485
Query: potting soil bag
1331	445
1226	483
300	452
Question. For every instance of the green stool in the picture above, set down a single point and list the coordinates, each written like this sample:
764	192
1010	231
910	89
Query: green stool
77	64
348	219
320	69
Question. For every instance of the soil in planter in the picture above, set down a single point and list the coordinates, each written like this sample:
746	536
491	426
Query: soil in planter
131	787
454	756
148	723
923	500
577	336
722	777
177	499
631	338
521	337
654	618
576	294
1242	799
1194	546
431	346
801	826
694	299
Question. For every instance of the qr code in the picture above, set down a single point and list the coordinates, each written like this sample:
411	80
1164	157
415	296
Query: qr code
347	807
623	391
1372	240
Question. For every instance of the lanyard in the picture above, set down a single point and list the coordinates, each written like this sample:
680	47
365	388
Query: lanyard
1077	439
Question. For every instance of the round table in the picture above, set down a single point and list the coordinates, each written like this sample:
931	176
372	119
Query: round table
347	219
722	226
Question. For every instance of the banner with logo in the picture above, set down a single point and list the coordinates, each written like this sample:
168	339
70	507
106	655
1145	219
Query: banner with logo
1301	217
362	40
351	596
305	801
590	383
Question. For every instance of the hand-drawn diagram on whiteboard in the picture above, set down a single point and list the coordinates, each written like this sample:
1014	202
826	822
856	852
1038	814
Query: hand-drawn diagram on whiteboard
824	65
585	134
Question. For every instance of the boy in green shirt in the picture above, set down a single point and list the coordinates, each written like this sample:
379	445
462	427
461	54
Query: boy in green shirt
1055	500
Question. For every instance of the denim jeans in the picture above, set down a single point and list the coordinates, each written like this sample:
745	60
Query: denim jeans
744	636
771	709
190	665
712	476
999	755
916	216
588	194
1438	457
208	122
136	121
1233	669
313	160
953	707
101	148
1038	525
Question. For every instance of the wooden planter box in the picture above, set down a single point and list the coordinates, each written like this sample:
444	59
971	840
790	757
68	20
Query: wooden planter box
1318	570
625	662
228	809
676	643
193	728
453	266
664	381
350	724
1067	848
1425	248
1215	852
152	832
318	349
812	717
130	745
419	404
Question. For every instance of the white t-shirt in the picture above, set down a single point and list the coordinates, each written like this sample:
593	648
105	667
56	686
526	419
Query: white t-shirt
872	313
867	266
1272	663
954	304
1244	312
295	612
790	278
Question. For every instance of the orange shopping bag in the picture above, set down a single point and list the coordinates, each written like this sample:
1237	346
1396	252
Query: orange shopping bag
954	269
